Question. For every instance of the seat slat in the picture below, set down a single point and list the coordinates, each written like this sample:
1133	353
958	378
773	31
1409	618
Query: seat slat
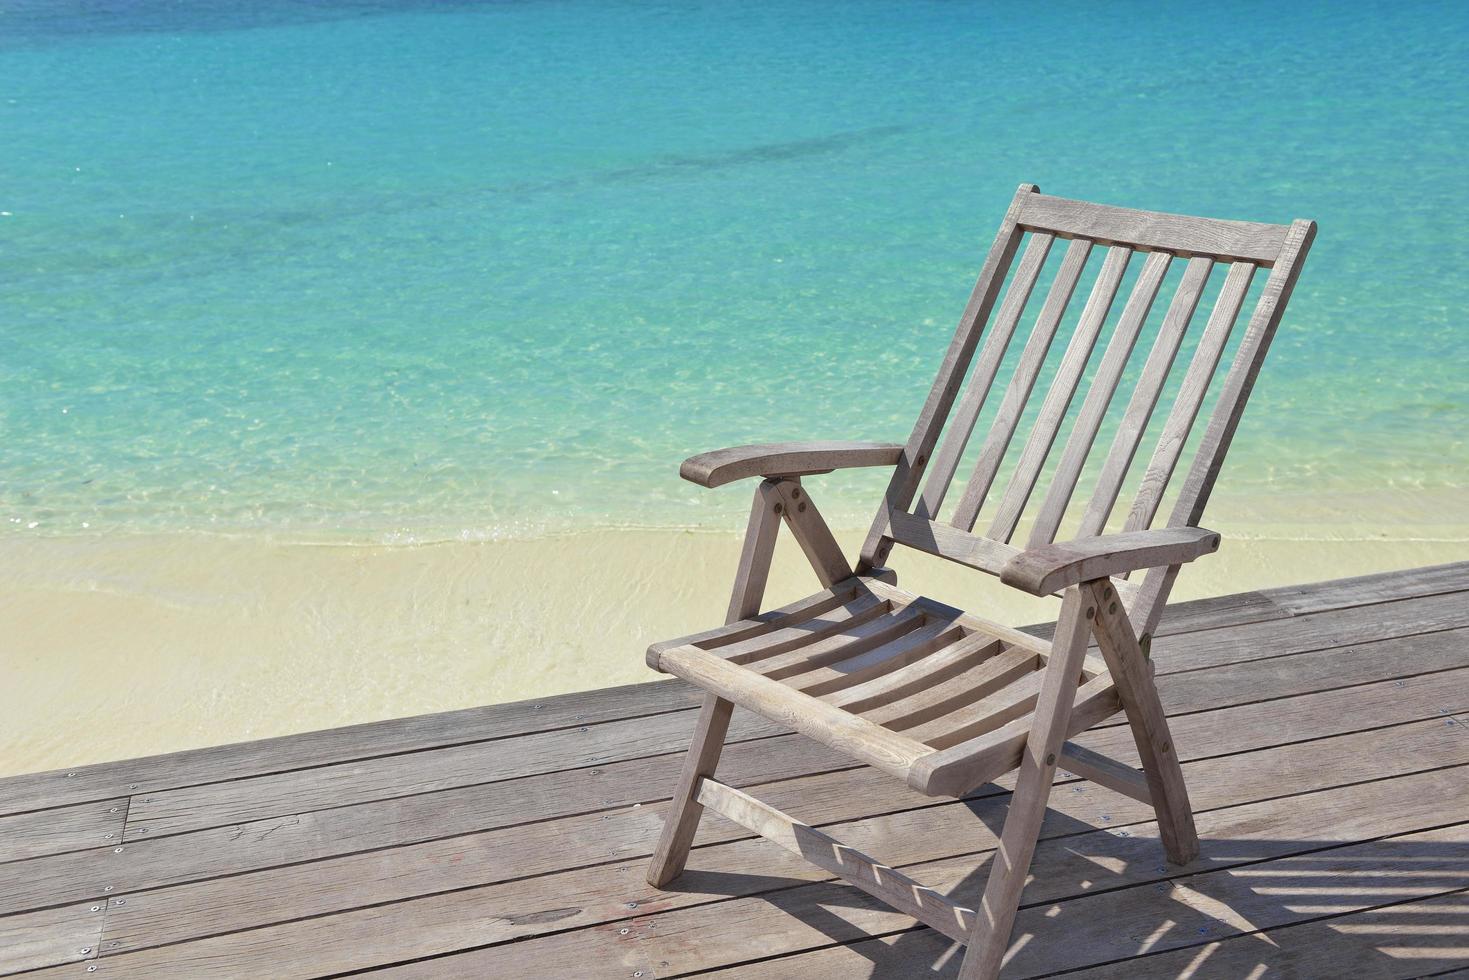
1058	399
850	614
1145	396
971	720
962	424
766	622
921	675
1022	382
840	646
959	768
975	683
1190	396
1094	407
1008	635
933	635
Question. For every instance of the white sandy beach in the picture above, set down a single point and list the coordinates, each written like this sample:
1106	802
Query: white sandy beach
129	646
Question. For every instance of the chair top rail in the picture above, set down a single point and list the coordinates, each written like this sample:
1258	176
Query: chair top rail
1153	230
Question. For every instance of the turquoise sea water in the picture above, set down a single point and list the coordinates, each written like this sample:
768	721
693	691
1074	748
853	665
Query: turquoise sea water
414	269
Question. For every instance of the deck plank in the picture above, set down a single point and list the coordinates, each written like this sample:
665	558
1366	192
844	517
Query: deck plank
359	781
1364	590
307	836
1387	942
69	828
78	784
67	934
344	830
626	834
1249	915
1310	631
801	924
606	893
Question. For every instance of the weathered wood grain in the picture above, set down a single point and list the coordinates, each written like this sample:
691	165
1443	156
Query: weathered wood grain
1053	722
105	781
1234	393
721	466
1359	624
1364	590
602	894
1179	233
1140	914
1319	670
66	934
813	916
1137	690
68	828
1394	941
214	804
237	847
626	834
1052	567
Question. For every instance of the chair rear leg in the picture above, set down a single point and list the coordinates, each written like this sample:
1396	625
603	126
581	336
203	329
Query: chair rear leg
1139	695
995	918
684	811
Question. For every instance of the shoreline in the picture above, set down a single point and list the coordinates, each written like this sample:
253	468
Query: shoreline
132	645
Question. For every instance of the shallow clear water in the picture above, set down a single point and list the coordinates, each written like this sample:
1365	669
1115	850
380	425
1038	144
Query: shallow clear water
426	269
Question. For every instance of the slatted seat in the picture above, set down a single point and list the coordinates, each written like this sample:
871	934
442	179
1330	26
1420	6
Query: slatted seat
908	675
942	698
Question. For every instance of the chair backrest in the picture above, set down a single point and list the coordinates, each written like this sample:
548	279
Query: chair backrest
1024	486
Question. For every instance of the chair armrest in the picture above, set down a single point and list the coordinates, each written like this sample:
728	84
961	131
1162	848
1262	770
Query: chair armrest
785	459
1053	567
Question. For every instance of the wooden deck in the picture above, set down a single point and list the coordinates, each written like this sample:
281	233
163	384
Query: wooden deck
1322	727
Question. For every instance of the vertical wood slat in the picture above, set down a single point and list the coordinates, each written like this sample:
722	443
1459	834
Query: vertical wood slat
1147	605
961	425
1119	349
1017	393
1145	395
1063	389
1190	396
904	482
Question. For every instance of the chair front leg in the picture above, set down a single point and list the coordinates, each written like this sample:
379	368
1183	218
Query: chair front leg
1139	695
684	810
995	917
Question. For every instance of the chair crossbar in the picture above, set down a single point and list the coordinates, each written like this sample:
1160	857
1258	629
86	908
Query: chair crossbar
886	884
1106	771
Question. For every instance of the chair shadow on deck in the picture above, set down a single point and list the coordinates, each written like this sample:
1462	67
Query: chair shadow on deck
1393	907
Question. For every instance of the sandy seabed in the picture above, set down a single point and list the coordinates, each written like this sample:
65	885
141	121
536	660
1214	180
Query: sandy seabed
127	646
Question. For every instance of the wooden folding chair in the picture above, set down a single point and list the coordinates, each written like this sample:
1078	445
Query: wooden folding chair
945	700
